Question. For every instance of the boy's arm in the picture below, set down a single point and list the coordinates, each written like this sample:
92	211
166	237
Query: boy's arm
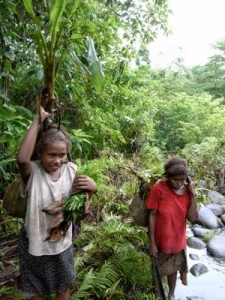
27	146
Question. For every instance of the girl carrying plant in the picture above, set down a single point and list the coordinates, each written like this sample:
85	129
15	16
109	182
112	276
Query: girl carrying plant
46	265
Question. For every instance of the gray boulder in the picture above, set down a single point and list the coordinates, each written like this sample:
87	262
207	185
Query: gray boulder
198	269
195	298
200	232
223	218
196	243
223	208
216	209
216	246
222	231
189	232
193	256
215	197
207	218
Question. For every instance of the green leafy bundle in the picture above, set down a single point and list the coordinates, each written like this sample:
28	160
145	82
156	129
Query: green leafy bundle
74	206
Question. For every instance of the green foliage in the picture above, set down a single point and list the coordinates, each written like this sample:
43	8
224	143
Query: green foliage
97	169
208	236
11	226
138	119
116	119
81	142
14	30
63	27
112	253
10	293
143	296
74	206
84	289
182	120
88	19
117	181
206	159
13	124
49	40
210	77
96	69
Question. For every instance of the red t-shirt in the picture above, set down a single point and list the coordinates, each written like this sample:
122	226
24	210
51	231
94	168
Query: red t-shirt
170	226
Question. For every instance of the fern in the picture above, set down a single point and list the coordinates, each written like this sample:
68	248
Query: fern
96	282
138	295
74	206
127	259
113	251
104	279
116	291
10	293
84	290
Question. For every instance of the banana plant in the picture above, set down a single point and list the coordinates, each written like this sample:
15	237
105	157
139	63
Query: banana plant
49	45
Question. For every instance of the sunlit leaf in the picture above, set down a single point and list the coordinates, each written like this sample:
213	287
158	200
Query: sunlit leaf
75	6
96	69
29	7
79	63
55	18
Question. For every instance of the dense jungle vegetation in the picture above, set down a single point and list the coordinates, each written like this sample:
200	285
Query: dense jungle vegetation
124	119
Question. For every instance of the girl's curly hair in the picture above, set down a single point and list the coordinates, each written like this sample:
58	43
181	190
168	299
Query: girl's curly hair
50	135
175	166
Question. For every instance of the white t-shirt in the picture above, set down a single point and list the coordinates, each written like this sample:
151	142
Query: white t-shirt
42	191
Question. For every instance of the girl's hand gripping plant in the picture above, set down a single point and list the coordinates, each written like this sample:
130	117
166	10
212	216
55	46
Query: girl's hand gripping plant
73	209
74	206
78	203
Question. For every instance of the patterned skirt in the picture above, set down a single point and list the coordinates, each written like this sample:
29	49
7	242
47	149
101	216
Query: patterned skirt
43	275
171	263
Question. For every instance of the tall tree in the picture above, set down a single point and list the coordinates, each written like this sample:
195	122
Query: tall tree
49	26
209	77
60	30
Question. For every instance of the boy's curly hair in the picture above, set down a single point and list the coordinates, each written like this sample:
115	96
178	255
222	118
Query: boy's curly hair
175	166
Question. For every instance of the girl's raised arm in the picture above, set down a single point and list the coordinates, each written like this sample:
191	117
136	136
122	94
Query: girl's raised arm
27	146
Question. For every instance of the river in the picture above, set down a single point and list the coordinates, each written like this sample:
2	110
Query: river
208	286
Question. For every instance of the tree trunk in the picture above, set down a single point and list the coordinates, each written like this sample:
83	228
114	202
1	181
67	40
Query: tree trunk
49	99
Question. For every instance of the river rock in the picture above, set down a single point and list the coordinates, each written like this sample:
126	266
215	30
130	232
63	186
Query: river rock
189	232
207	218
215	197
223	208
216	209
198	269
223	218
200	232
194	298
196	243
193	256
222	231
216	246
